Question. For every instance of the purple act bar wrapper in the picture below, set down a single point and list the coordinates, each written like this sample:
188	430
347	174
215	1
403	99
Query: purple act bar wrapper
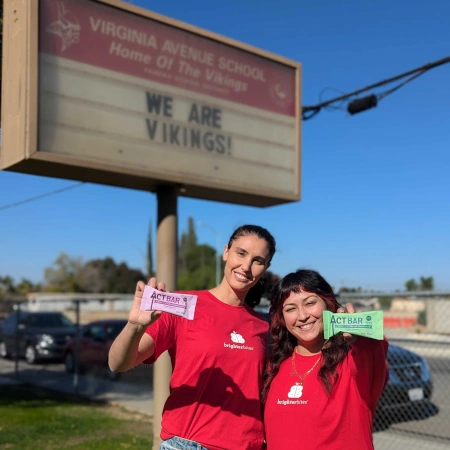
179	304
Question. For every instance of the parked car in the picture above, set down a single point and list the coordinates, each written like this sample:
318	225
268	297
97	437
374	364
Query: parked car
94	342
409	389
41	336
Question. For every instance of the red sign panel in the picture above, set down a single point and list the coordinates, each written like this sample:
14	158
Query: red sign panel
106	37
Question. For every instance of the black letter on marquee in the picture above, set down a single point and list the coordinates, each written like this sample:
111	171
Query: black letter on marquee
174	129
193	115
154	104
151	128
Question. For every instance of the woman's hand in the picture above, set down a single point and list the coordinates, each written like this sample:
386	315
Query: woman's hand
144	318
348	308
133	345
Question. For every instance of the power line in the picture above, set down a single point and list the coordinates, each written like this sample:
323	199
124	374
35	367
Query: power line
361	104
38	197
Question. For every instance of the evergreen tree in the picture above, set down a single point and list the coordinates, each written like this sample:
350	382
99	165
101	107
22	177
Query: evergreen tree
411	285
191	236
200	269
196	262
187	243
150	270
426	283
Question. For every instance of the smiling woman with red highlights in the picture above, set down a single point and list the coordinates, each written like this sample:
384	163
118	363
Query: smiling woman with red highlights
318	394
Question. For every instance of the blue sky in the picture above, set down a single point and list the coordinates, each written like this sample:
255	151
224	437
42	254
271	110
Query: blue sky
375	186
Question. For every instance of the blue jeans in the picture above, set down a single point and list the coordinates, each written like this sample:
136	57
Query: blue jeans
177	443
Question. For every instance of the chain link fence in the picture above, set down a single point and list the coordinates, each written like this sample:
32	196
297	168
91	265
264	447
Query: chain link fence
53	333
413	412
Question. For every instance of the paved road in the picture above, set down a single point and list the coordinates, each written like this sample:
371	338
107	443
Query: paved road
391	440
134	391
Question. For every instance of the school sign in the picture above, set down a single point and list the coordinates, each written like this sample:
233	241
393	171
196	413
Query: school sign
103	91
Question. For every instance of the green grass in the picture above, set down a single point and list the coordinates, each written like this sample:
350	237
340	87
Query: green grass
33	418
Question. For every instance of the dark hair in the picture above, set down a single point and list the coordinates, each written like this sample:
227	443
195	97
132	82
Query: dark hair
284	342
255	293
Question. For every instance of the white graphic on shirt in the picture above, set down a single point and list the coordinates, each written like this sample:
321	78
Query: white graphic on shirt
296	391
66	27
237	338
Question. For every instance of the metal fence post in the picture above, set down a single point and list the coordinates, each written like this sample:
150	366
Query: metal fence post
76	372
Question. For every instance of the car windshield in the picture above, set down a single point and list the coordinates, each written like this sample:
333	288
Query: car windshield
114	329
49	321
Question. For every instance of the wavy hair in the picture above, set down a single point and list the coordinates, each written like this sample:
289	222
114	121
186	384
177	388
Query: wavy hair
253	296
284	343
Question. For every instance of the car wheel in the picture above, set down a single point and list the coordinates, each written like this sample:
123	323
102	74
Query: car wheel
69	362
3	350
30	354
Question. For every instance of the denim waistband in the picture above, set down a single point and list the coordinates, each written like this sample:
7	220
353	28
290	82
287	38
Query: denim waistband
177	443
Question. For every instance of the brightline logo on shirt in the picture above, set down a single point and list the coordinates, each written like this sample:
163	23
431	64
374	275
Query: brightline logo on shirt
292	402
237	339
239	347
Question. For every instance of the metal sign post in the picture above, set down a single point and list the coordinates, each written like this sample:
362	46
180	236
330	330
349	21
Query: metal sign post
166	266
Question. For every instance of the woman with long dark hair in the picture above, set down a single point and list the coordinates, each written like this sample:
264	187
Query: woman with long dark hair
217	358
317	393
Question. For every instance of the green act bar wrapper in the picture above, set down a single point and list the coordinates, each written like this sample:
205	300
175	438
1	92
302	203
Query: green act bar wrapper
368	324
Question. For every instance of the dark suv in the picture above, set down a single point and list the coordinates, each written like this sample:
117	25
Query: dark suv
38	336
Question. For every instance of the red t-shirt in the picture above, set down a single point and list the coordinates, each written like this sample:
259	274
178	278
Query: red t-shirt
217	361
307	418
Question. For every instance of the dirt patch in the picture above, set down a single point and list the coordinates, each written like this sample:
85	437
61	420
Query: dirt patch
119	412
